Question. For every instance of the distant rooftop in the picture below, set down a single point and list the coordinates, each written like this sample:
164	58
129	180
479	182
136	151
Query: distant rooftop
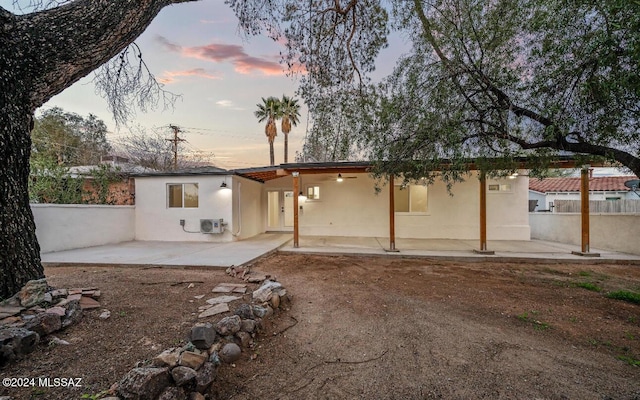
596	184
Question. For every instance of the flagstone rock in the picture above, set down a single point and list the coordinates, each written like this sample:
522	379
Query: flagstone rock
215	310
10	311
33	292
230	353
228	325
222	299
59	293
183	375
203	336
168	358
144	383
57	310
87	303
73	314
192	360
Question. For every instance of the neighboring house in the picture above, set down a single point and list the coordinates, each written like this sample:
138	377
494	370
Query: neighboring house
238	204
547	192
121	186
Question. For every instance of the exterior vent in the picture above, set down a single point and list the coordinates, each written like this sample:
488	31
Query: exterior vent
211	226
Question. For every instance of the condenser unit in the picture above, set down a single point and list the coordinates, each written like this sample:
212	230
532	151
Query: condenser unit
211	225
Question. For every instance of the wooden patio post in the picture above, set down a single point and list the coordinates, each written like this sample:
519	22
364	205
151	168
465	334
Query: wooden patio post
392	216
584	212
483	215
296	190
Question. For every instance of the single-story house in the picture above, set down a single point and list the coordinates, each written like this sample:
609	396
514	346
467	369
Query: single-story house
324	199
546	192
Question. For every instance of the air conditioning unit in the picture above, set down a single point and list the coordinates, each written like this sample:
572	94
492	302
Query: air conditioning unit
212	225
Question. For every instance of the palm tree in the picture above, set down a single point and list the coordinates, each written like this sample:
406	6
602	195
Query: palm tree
289	112
269	110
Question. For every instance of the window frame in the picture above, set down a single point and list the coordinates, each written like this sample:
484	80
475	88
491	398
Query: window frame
408	187
182	195
316	196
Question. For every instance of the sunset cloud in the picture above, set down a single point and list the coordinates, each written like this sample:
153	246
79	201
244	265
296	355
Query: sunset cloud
228	104
231	53
169	77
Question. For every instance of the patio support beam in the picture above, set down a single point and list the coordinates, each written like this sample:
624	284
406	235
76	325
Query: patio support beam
584	212
296	190
392	216
483	215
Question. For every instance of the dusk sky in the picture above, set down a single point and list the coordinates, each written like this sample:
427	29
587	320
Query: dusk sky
197	51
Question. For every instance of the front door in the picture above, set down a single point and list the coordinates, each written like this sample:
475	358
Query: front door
279	210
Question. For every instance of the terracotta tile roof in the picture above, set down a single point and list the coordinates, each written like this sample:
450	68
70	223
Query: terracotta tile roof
598	184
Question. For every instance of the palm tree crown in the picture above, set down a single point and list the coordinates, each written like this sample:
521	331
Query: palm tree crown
269	110
289	112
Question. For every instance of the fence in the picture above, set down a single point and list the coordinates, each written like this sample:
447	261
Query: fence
599	206
613	232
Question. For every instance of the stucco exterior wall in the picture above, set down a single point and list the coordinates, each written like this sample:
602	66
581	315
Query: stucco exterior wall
615	232
156	221
352	208
249	205
63	227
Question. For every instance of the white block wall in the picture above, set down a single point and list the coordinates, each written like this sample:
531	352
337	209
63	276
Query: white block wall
63	227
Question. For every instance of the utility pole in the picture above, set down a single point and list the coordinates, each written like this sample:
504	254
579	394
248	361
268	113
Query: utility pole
175	140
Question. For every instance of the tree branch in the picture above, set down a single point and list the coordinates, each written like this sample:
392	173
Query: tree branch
63	44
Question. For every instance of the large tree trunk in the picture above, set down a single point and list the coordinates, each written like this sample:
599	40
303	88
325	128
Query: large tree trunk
41	54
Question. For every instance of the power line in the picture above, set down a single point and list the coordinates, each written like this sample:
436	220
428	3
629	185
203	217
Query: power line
175	142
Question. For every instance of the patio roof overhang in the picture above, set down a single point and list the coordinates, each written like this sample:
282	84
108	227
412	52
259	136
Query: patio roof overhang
264	174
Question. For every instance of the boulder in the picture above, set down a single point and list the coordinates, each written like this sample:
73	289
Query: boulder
230	353
33	292
183	375
248	325
228	325
15	342
244	311
44	324
73	314
275	300
203	336
173	393
205	377
145	383
264	292
260	311
245	339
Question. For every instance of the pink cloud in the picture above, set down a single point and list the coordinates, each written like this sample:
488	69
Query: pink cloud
235	54
171	76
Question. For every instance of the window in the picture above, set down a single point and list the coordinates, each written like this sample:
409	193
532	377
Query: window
182	195
313	192
495	187
410	199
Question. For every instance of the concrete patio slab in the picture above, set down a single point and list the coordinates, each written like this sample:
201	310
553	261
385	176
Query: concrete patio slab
455	249
172	253
245	251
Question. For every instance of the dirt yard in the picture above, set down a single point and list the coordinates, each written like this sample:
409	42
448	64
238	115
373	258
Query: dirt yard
370	328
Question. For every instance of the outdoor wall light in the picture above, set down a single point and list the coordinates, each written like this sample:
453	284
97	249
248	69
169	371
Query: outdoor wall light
301	197
223	185
339	178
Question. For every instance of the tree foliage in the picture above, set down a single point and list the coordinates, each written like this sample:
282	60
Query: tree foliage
69	138
483	80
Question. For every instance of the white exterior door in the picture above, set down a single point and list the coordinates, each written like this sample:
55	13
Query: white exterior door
279	210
